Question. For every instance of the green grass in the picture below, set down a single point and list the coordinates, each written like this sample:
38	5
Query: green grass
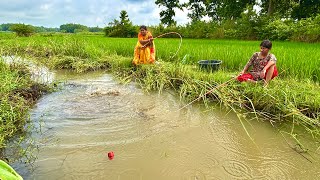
17	95
13	109
295	60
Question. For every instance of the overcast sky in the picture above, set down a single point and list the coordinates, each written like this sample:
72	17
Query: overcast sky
53	13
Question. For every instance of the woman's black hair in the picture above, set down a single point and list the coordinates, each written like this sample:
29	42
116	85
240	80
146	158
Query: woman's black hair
143	27
266	44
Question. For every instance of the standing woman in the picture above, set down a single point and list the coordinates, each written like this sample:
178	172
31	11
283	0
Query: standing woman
144	52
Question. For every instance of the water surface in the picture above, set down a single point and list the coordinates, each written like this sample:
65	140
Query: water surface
93	114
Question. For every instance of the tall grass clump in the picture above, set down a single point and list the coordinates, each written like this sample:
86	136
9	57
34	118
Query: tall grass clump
13	108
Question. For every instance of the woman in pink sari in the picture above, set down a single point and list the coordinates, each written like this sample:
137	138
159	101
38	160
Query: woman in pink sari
144	52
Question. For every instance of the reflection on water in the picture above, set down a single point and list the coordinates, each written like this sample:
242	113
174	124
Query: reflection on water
92	115
40	74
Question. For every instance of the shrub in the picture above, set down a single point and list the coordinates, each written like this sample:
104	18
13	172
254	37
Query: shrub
22	29
307	30
277	30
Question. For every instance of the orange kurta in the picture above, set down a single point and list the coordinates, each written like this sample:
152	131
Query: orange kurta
144	54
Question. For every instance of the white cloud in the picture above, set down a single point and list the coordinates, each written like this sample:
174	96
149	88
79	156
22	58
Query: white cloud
53	13
45	6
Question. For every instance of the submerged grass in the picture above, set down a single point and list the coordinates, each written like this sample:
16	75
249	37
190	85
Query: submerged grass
293	98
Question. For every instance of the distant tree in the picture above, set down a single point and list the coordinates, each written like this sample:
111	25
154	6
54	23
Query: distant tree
122	28
107	30
95	29
22	29
6	27
166	16
70	28
124	18
81	30
40	29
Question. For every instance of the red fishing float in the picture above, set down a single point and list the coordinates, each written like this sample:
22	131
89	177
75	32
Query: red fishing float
110	155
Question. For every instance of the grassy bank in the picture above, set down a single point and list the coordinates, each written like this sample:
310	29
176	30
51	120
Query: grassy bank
292	99
17	94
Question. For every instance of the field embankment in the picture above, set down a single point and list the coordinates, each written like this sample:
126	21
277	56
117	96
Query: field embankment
17	94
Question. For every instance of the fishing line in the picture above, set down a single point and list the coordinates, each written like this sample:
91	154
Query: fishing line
164	35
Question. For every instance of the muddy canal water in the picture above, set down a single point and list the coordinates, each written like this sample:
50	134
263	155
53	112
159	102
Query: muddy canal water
92	114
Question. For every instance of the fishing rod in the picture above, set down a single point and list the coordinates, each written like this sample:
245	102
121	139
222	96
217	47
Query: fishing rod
167	34
210	91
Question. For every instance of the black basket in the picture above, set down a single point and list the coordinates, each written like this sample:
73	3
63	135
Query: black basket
209	65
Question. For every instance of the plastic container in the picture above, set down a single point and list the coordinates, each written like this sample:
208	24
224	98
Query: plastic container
209	65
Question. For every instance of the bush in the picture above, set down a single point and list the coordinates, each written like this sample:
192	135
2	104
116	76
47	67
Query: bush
22	29
277	30
245	27
307	30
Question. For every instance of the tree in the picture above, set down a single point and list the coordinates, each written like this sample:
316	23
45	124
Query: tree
124	18
305	9
281	8
217	9
70	28
197	9
122	28
231	9
6	27
22	29
95	29
227	9
166	16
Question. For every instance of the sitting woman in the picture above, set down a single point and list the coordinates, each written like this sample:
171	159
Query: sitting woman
144	52
263	65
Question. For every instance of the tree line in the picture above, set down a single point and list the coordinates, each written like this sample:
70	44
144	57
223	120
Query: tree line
237	20
295	20
221	10
27	30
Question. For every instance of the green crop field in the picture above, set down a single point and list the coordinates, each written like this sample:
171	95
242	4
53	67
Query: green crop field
295	60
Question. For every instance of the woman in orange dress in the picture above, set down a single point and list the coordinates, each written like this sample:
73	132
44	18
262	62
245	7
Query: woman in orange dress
144	52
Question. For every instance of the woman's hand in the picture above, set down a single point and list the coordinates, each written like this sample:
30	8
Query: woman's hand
262	73
242	72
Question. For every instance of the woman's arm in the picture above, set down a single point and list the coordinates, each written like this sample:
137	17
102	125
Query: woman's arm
147	41
249	63
264	70
143	42
270	63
